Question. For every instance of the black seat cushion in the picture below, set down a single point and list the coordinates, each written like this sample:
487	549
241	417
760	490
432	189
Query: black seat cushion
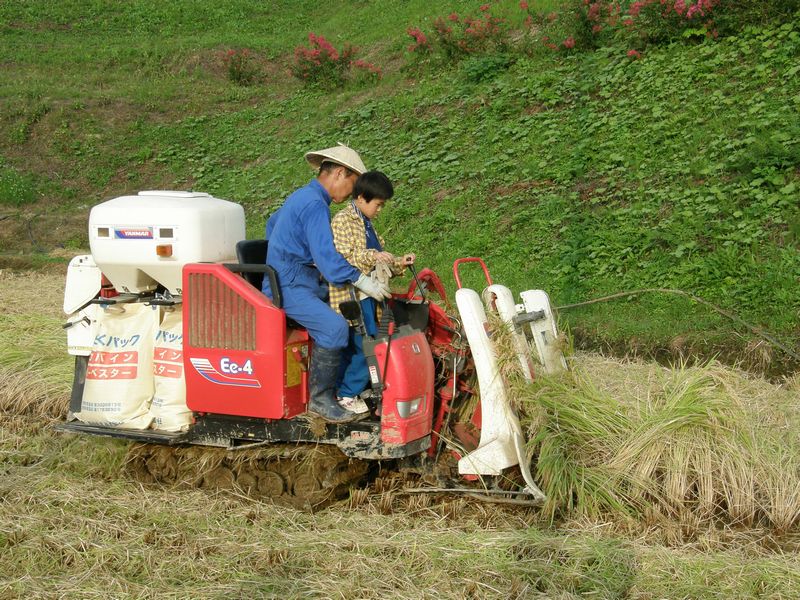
252	252
252	257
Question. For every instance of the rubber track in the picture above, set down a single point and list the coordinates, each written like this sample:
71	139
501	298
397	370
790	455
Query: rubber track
303	476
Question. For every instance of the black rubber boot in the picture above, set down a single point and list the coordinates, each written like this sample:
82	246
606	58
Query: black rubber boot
322	375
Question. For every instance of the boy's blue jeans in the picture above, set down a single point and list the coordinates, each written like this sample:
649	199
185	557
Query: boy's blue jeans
353	372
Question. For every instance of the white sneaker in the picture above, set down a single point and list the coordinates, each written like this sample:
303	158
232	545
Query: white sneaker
354	405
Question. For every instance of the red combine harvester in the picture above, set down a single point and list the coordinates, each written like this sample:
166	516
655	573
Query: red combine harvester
177	349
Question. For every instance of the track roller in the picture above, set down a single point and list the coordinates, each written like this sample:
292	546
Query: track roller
303	476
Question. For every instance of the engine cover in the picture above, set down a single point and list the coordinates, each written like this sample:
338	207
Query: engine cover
407	381
239	357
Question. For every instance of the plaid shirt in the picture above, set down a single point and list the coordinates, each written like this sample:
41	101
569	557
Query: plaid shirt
350	239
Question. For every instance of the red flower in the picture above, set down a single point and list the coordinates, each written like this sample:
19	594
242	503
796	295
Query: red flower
420	39
484	7
453	17
569	42
634	54
523	5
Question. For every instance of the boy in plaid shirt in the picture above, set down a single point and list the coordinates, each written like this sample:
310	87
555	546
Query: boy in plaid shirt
356	239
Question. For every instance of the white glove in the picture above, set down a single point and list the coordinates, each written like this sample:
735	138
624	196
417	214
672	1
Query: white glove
372	288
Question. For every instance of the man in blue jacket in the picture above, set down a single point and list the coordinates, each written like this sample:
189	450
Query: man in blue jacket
302	253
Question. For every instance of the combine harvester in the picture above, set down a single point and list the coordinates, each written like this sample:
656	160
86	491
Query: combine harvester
176	348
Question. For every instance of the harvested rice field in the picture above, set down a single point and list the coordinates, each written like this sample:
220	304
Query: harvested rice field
662	483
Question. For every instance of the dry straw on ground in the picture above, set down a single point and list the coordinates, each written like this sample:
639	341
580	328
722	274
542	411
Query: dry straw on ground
636	441
73	525
35	368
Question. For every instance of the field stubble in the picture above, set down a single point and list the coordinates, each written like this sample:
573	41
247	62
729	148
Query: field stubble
71	525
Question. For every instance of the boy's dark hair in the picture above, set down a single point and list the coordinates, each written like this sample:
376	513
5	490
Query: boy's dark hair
373	184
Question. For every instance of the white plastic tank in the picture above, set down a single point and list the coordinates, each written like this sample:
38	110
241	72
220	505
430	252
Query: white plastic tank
143	240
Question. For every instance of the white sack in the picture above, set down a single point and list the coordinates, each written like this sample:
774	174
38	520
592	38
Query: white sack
169	409
119	378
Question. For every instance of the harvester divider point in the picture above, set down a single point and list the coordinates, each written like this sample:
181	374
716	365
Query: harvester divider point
493	496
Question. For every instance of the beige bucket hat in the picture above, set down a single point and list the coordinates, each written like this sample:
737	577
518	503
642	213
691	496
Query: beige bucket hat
341	155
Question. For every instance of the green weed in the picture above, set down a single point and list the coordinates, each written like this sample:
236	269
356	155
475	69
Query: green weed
241	66
16	189
583	173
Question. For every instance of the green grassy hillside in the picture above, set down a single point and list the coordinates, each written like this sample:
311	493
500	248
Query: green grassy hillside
584	173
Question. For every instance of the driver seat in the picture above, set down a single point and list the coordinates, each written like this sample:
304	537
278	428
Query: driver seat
252	257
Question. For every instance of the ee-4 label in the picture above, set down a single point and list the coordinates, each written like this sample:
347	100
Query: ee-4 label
230	372
226	365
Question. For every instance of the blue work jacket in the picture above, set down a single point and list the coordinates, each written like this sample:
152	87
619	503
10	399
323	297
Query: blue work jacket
301	242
